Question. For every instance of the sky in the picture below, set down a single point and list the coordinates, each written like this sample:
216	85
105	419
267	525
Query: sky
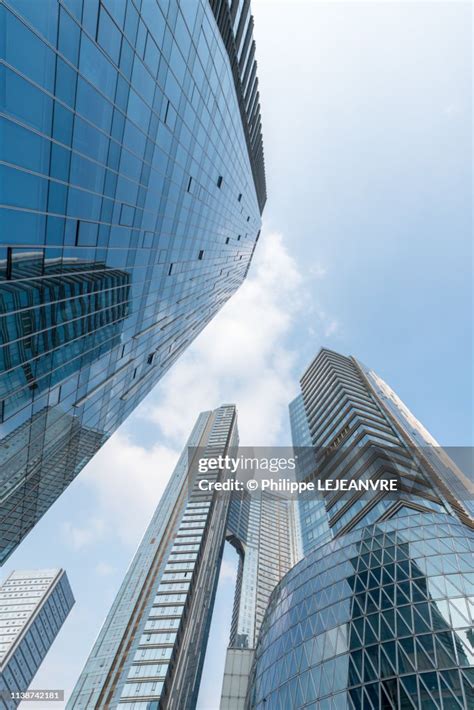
365	248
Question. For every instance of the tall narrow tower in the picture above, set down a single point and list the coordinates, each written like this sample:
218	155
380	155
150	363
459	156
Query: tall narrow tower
263	529
153	642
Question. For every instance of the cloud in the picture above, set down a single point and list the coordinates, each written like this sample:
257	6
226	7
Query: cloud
322	325
228	571
103	569
83	536
245	356
331	328
125	482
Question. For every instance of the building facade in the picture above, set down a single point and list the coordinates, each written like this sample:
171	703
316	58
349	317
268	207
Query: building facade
379	612
152	645
151	649
263	529
132	189
33	607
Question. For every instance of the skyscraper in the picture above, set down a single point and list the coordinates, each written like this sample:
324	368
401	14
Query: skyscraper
33	607
357	428
133	185
263	529
151	649
378	613
152	644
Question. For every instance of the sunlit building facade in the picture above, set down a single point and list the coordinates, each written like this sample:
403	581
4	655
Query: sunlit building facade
152	645
379	612
151	649
132	190
263	529
33	607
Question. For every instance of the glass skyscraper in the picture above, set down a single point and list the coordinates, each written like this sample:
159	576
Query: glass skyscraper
152	645
151	649
33	607
133	183
379	614
263	529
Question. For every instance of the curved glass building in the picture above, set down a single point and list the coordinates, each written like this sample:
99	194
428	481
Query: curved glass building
379	614
132	175
379	618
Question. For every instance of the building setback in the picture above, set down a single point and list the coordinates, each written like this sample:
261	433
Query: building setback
378	613
133	186
33	607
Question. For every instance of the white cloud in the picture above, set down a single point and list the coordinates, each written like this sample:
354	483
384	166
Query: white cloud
331	328
103	569
82	536
228	571
126	482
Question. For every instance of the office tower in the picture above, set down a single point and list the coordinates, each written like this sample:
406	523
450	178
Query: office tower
358	429
378	613
132	190
33	606
262	529
152	644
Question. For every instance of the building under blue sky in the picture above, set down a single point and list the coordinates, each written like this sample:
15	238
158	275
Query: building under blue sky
365	248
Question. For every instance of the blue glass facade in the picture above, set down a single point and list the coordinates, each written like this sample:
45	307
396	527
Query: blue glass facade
379	618
152	645
33	607
132	187
349	432
314	524
379	614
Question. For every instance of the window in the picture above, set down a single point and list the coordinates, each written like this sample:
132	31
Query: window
227	240
86	233
201	254
126	215
219	181
239	199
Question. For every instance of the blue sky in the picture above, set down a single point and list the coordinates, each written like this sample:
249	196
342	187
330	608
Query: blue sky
366	248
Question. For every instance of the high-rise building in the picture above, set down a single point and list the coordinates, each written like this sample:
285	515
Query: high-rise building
263	529
151	649
379	613
152	644
132	189
350	424
33	607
